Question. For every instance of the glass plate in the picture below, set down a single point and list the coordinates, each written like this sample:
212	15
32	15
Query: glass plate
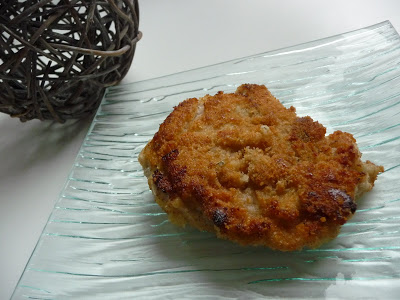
106	238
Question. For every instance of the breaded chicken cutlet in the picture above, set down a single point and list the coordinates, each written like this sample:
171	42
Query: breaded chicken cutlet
247	168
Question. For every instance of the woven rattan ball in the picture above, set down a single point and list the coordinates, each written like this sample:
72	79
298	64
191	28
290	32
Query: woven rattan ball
57	57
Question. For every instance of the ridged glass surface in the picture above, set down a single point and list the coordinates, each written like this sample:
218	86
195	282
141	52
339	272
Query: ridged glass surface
106	237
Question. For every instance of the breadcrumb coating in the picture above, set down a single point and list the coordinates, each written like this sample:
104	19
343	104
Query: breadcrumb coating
247	168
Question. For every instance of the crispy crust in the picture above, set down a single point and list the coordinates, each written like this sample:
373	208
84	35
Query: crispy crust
245	167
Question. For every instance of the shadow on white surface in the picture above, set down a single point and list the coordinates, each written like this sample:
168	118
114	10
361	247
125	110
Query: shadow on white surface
35	142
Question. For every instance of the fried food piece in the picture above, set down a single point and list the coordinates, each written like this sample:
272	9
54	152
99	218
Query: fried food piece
245	167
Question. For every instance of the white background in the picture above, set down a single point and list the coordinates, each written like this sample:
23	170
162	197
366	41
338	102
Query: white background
36	157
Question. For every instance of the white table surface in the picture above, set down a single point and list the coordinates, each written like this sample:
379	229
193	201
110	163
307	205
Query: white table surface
36	157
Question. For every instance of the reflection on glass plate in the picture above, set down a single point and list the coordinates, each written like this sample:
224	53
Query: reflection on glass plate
106	238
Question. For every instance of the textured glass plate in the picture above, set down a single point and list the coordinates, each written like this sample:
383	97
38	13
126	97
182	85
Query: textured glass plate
106	238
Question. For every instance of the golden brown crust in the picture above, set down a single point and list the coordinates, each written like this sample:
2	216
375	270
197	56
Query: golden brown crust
245	167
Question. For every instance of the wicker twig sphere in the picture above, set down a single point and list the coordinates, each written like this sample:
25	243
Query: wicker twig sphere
57	57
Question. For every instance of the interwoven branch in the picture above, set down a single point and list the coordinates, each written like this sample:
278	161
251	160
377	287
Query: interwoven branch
58	56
